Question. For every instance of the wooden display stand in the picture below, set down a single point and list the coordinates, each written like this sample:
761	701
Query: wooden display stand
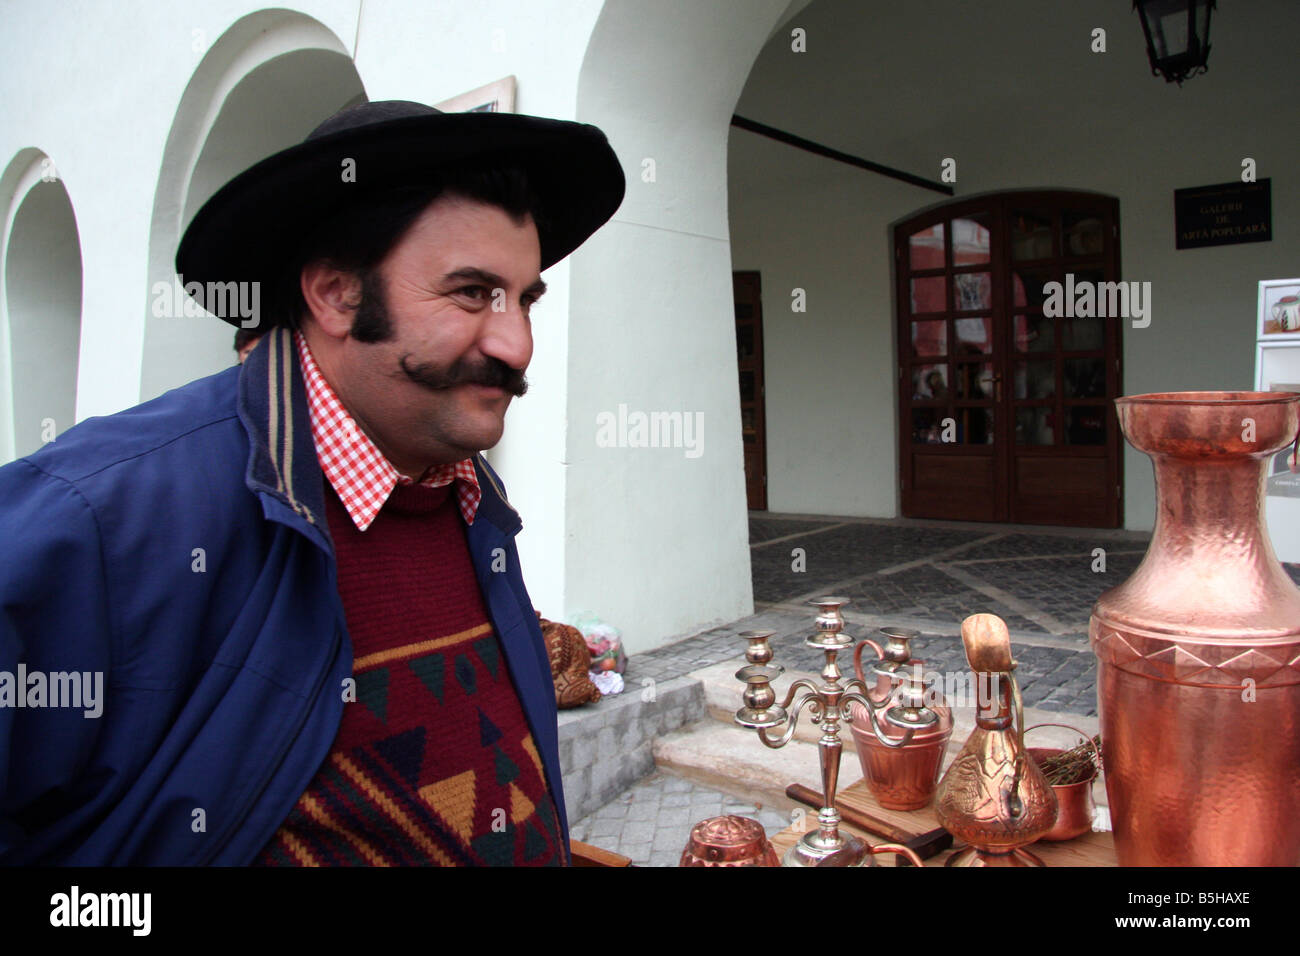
1091	849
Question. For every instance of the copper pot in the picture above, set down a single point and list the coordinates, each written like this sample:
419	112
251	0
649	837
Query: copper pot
1075	806
900	778
1198	653
728	841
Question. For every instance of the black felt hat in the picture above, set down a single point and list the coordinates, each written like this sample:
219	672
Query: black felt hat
250	228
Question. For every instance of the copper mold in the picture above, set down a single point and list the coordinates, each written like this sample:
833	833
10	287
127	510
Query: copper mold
728	841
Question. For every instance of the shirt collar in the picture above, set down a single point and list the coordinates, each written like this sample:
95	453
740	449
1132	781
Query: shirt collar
360	474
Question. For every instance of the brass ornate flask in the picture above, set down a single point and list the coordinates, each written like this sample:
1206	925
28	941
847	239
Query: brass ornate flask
993	797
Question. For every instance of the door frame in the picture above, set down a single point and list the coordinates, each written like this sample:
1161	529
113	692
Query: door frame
998	204
759	403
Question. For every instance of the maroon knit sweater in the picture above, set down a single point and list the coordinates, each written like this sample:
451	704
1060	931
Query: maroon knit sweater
434	762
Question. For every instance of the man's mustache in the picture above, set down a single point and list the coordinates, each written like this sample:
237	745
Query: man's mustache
491	372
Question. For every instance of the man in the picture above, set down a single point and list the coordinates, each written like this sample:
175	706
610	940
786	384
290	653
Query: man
297	578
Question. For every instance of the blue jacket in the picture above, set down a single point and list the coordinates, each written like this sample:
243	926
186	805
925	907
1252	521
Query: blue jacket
223	667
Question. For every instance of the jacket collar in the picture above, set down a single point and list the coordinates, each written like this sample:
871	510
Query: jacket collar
282	463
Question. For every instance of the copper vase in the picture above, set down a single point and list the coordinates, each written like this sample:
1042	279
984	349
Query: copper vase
1198	653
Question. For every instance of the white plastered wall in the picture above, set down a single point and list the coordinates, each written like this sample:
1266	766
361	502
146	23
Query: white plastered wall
261	86
657	542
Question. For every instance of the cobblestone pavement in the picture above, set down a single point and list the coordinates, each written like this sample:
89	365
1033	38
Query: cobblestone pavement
1041	582
650	823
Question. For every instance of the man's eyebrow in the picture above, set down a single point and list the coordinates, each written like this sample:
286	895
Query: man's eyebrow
475	274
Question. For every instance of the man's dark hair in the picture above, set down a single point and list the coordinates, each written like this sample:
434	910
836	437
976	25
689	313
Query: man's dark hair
359	236
245	336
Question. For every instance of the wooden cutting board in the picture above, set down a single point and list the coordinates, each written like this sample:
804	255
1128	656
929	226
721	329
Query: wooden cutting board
1091	849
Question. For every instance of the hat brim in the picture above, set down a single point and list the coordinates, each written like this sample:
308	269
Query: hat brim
250	227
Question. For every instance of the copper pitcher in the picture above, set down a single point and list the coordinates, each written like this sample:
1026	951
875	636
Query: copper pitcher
993	797
1198	652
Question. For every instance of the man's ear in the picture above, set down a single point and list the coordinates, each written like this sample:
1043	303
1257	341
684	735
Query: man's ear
332	296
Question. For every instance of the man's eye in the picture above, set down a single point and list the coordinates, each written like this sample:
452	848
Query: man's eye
473	291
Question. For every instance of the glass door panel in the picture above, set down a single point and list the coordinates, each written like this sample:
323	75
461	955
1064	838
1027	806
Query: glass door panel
925	248
930	337
971	240
930	294
973	291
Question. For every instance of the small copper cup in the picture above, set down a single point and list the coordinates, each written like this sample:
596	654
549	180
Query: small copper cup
728	841
1074	802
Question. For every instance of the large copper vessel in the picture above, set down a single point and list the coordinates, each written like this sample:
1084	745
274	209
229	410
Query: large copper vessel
1198	673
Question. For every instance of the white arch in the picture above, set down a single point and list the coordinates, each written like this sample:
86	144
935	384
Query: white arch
40	304
651	322
262	86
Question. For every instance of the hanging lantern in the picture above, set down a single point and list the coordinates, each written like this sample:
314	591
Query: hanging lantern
1178	36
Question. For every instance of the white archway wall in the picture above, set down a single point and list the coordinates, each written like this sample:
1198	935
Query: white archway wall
1014	94
16	180
652	328
106	119
266	82
43	304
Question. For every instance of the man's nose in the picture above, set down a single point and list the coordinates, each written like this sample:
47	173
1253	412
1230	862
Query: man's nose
508	335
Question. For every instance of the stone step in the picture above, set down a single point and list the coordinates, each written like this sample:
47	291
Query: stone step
605	747
733	760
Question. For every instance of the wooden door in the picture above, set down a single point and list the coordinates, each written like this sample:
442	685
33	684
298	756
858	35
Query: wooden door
749	360
1005	407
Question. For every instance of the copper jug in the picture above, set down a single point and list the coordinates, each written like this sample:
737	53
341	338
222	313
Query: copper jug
1198	653
993	797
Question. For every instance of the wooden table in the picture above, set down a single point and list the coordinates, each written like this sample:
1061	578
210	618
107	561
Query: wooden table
1091	849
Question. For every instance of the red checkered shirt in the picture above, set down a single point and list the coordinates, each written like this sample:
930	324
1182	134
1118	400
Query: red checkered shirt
359	472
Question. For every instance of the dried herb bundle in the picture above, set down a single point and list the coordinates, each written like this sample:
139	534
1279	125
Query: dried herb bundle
1072	766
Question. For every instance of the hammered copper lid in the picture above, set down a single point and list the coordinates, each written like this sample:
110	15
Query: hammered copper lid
727	841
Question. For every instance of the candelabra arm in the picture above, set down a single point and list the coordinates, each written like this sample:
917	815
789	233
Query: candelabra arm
887	739
866	692
810	695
